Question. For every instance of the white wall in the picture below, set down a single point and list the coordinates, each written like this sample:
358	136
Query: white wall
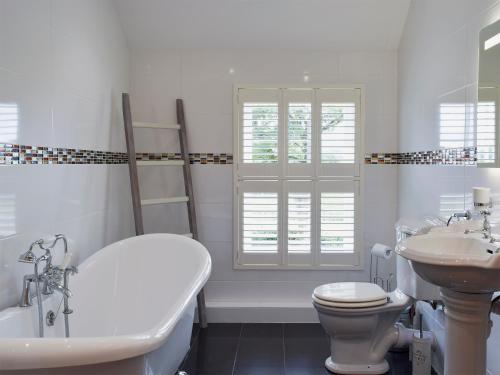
438	61
203	79
63	63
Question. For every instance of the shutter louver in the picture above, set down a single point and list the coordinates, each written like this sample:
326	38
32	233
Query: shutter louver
260	133
299	133
337	222
260	222
338	133
299	222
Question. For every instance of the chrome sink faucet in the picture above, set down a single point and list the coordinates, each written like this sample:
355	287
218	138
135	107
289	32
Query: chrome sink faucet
466	214
486	227
52	278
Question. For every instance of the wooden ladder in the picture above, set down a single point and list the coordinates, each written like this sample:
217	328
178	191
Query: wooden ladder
137	202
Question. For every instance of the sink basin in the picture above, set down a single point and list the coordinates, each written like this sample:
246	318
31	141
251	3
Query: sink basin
464	263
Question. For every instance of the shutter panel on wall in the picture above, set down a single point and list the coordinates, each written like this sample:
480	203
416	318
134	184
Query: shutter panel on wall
260	131
297	178
299	222
338	133
339	222
339	137
260	222
299	131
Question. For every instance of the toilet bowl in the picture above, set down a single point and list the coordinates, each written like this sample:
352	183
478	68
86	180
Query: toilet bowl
360	320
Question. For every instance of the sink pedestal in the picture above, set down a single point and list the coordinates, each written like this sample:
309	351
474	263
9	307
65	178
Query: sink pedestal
467	329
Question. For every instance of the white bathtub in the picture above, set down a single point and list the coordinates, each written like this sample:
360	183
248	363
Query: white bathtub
133	305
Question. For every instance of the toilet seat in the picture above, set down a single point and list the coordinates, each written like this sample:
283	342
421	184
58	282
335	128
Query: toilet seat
350	295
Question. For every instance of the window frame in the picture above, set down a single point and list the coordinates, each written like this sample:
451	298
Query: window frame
356	260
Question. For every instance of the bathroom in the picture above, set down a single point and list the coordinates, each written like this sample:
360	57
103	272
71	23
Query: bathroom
404	75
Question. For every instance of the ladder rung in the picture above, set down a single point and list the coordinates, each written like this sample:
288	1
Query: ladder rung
159	162
149	202
152	125
190	235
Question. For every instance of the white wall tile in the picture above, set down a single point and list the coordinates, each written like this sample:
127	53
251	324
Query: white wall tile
64	64
205	80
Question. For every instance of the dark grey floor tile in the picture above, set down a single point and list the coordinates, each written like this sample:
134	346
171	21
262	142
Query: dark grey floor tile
304	330
306	346
307	371
261	345
259	370
267	349
214	350
262	330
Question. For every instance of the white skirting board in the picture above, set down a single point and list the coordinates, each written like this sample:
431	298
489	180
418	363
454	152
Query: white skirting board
232	312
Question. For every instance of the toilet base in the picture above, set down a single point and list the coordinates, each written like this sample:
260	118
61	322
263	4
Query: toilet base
337	368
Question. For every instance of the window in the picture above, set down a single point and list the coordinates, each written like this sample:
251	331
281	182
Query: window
297	178
452	121
486	125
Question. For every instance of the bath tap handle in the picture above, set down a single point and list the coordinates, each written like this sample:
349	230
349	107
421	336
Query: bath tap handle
61	289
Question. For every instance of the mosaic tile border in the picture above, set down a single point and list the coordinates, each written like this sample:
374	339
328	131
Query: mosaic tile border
447	156
12	154
194	158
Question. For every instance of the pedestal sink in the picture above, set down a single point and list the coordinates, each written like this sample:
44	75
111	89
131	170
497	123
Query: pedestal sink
467	268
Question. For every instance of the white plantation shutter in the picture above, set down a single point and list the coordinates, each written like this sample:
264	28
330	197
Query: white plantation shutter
339	131
260	222
299	222
299	131
297	178
260	131
338	217
337	222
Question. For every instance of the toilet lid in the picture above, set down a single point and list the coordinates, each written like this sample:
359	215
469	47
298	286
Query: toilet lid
350	305
351	293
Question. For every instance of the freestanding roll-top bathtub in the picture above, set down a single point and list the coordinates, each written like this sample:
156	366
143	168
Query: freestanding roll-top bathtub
133	305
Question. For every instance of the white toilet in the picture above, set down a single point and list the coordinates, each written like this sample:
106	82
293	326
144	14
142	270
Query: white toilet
360	319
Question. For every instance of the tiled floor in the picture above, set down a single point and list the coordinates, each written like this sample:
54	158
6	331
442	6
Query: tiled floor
266	349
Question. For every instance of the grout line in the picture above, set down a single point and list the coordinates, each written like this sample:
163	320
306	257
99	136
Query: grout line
237	349
284	351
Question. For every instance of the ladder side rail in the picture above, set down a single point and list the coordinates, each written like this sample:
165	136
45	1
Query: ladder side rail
188	184
132	165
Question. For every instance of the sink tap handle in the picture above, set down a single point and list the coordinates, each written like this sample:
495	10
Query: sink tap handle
467	215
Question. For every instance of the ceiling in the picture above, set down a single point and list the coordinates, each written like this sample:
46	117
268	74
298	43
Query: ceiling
263	24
